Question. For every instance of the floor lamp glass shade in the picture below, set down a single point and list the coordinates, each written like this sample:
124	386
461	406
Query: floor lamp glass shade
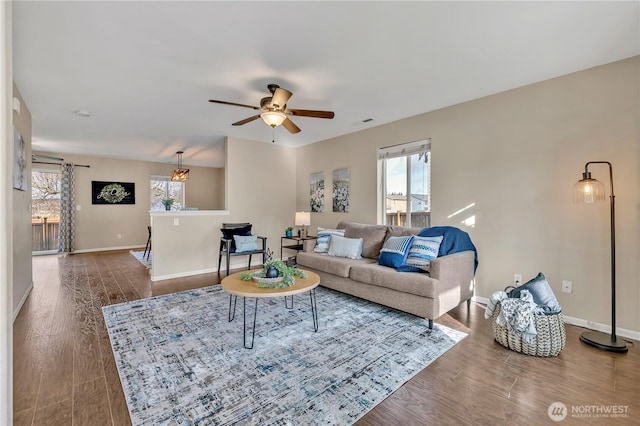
588	190
303	219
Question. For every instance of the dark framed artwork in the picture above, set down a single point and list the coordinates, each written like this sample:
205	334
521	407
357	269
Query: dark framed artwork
113	192
19	161
341	190
316	192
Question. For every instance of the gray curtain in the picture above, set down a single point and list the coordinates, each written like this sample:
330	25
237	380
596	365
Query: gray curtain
66	242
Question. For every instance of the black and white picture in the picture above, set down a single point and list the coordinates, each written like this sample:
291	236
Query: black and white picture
19	161
341	190
316	191
113	192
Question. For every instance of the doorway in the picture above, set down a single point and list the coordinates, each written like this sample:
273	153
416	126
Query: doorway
45	211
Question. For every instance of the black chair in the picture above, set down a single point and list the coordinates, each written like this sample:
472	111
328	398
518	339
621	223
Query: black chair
227	245
147	249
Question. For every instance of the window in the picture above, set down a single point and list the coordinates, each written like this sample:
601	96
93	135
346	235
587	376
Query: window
406	184
162	187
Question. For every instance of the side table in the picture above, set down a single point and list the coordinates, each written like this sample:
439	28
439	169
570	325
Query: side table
294	243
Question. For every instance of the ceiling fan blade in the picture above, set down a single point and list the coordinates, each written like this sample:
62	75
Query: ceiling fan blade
280	98
233	103
246	120
290	126
310	113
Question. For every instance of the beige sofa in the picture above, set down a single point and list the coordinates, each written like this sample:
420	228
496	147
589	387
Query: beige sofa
428	295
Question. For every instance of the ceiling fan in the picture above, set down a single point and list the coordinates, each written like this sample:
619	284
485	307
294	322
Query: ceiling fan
274	110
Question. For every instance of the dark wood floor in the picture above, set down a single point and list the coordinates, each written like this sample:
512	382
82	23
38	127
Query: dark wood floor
65	374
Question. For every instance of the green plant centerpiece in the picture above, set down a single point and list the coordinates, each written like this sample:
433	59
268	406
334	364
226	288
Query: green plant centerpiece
274	274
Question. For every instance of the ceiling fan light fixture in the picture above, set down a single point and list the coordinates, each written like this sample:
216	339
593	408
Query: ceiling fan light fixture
273	118
180	174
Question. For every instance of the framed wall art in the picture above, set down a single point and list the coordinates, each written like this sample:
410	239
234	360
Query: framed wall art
19	161
113	192
341	178
316	192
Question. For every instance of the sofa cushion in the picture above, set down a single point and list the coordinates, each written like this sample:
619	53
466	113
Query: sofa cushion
339	266
394	251
373	237
345	247
414	283
401	231
324	235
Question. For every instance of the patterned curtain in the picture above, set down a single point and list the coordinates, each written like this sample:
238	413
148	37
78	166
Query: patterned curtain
66	239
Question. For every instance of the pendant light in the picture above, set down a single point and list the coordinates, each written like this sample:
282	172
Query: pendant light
180	174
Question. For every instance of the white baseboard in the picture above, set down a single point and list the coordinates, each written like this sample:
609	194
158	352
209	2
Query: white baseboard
183	274
24	299
107	249
622	332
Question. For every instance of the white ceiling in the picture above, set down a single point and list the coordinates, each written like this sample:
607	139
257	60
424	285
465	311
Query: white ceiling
145	70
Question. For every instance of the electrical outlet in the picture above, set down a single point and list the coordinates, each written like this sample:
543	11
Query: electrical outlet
567	286
119	236
517	279
176	221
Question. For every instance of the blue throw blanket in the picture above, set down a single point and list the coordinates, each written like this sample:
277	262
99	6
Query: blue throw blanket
454	240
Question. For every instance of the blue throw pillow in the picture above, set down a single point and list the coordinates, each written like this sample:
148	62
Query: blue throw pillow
422	250
245	243
542	294
394	251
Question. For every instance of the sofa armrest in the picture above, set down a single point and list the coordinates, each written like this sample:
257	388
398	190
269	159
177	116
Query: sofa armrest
456	266
308	245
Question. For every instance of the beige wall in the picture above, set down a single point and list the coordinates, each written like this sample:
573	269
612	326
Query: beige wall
22	268
262	187
98	226
516	155
6	218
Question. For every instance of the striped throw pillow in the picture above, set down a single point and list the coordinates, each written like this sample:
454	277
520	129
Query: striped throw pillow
324	236
422	250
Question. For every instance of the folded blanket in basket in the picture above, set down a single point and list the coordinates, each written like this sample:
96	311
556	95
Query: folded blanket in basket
518	314
496	297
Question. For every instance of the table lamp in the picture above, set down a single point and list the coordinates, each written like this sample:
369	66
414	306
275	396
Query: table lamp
303	219
589	190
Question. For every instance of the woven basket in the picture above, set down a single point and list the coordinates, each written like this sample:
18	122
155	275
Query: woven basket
549	341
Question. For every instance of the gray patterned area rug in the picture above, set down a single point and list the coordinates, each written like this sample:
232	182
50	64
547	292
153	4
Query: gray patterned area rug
181	362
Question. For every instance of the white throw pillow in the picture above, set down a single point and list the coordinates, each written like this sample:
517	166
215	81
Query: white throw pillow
345	247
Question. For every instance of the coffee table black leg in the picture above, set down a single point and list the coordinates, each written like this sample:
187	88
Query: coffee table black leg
286	305
244	318
232	314
314	309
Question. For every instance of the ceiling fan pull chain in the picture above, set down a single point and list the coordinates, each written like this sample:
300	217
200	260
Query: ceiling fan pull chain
273	136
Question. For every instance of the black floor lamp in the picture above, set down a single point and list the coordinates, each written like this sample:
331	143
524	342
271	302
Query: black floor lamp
589	190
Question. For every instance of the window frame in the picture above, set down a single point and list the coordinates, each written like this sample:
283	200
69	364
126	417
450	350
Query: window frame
405	150
180	204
